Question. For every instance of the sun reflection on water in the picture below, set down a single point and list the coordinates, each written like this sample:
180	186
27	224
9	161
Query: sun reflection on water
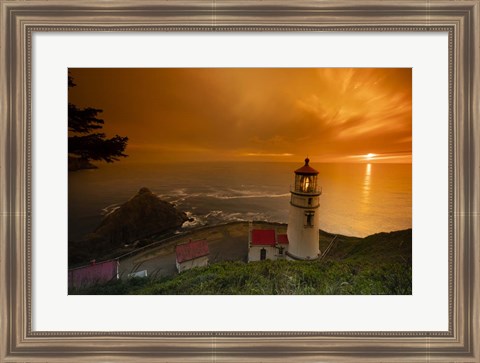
367	186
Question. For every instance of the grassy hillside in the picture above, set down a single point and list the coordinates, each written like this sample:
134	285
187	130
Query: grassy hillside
380	247
378	264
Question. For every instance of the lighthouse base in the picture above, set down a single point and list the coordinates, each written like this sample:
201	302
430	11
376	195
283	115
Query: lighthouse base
291	257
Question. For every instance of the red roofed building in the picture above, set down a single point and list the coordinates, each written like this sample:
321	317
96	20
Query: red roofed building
191	254
263	237
94	273
282	239
265	244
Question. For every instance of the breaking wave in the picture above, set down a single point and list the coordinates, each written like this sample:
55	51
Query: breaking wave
219	216
193	221
239	194
180	195
109	209
208	206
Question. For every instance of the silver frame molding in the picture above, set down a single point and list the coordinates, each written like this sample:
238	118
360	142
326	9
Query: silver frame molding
20	19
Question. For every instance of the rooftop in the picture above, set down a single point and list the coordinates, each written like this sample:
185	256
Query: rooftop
191	250
263	237
306	169
282	239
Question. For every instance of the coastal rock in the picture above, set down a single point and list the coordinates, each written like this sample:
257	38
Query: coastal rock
140	217
143	215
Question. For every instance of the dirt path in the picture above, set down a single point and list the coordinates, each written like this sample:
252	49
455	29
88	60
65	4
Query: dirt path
226	242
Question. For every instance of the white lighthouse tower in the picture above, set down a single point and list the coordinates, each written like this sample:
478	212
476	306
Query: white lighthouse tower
303	217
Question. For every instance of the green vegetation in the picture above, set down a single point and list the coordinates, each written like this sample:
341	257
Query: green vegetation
84	144
376	248
272	278
376	265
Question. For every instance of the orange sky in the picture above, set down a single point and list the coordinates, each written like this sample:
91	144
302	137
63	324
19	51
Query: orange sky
267	114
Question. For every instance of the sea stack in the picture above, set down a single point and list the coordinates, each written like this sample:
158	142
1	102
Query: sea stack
143	215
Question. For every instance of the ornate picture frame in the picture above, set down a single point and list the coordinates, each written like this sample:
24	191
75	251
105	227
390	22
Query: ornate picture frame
21	19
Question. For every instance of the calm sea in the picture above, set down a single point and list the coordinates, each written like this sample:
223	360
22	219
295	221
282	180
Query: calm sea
356	200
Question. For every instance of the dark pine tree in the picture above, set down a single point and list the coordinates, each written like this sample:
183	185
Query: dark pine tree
84	143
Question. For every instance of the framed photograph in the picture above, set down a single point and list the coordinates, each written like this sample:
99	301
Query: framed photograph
235	206
239	181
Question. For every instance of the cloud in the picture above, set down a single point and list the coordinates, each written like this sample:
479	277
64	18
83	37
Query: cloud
224	113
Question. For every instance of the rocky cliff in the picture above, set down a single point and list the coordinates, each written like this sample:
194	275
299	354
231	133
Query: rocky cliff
143	215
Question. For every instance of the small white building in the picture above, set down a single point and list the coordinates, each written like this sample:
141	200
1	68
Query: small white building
265	244
191	254
282	245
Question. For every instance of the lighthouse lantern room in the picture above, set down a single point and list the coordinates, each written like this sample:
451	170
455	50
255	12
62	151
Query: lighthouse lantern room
303	217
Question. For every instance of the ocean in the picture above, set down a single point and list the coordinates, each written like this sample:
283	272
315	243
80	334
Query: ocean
357	199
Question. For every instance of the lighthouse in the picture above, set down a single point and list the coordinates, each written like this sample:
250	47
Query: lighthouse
303	217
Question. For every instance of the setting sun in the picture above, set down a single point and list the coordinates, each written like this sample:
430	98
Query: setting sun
370	156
